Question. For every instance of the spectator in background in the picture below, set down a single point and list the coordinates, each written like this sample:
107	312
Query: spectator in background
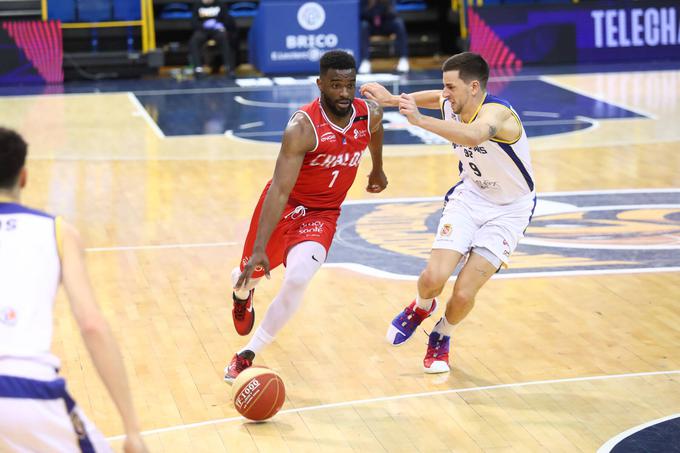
379	17
211	20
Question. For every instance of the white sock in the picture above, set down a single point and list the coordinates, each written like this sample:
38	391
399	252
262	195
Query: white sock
425	304
258	341
300	268
243	292
443	327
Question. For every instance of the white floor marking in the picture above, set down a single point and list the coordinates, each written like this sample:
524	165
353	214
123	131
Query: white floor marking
161	247
611	443
409	396
144	114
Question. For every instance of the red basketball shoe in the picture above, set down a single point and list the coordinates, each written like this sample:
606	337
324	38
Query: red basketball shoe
243	314
238	363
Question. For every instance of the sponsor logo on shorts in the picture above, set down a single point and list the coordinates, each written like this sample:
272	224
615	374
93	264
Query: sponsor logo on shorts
446	230
311	227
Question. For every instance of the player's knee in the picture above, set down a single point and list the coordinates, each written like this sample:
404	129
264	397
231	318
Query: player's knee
433	280
463	297
296	281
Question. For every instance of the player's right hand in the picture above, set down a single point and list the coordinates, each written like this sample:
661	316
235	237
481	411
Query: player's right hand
376	92
257	261
134	444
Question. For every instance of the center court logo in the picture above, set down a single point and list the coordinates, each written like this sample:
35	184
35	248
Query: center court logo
311	16
571	233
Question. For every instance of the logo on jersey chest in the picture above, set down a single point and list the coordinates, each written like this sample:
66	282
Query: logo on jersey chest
336	160
8	316
359	133
468	150
328	137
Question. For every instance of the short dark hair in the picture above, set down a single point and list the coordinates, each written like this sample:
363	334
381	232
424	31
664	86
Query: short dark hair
471	66
336	59
12	157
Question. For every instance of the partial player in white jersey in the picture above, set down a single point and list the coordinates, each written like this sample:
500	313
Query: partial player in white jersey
485	214
37	253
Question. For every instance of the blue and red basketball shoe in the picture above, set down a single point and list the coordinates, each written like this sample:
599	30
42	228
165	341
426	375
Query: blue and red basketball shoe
407	322
243	313
437	357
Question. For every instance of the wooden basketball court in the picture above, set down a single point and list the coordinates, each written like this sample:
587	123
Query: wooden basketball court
558	363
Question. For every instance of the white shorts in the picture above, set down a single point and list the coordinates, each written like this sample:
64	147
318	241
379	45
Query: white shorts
469	221
41	416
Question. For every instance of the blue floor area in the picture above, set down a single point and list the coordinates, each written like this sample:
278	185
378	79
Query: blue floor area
258	108
261	114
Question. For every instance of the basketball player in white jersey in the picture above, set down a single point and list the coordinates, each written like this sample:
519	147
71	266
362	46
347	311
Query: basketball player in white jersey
485	214
37	253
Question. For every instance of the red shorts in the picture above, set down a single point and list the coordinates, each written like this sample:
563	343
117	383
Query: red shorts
296	225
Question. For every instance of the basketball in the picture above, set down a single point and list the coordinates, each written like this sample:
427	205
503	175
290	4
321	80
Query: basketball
258	393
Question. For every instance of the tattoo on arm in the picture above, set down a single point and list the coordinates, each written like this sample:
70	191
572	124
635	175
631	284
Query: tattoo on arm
492	131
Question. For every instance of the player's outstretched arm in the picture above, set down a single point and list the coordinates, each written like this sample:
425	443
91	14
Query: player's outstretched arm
487	124
97	335
377	181
428	99
298	139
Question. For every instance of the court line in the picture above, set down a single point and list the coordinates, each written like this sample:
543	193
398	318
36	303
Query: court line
611	443
408	396
597	96
539	194
406	125
288	105
373	272
144	114
161	247
541	114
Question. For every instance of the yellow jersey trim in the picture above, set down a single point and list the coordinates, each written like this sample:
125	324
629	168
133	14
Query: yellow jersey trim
519	123
478	109
58	234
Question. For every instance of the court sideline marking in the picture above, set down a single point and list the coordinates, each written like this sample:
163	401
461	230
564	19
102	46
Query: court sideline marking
141	111
407	396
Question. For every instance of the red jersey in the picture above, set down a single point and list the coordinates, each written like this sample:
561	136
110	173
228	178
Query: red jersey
329	170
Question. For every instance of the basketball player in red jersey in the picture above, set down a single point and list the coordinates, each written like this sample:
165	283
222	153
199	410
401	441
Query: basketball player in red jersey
295	220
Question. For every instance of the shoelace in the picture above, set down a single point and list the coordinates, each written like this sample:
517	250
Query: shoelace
240	310
411	318
242	364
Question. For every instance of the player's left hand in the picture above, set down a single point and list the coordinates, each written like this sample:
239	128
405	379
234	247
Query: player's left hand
408	108
257	261
377	181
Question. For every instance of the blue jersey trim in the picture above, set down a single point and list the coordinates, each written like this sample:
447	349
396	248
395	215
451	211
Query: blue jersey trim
511	153
15	208
451	190
490	99
531	216
18	387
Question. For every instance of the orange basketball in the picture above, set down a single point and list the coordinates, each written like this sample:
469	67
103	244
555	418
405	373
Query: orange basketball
258	393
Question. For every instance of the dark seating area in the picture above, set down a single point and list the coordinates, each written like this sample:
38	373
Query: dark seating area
95	52
428	23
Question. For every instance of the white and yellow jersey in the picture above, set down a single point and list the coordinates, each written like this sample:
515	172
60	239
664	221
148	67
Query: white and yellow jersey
497	170
30	272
